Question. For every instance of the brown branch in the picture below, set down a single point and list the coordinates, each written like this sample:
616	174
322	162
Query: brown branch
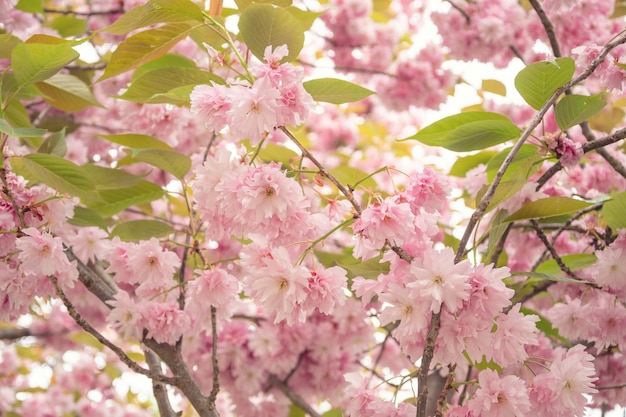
544	239
548	26
460	10
613	161
215	389
441	401
106	342
345	191
427	357
158	388
587	147
87	14
295	399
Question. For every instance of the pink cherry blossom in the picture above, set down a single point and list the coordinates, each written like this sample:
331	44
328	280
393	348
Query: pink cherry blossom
254	110
514	331
499	397
439	281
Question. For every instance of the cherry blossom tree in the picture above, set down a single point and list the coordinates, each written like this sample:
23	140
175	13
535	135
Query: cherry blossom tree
277	207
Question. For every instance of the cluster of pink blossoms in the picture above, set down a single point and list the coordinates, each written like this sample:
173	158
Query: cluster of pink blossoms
244	200
275	98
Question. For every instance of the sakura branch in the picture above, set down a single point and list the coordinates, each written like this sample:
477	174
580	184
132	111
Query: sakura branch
158	388
345	191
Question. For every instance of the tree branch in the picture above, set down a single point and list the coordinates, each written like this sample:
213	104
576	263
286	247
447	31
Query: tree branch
158	388
106	342
548	26
346	192
295	399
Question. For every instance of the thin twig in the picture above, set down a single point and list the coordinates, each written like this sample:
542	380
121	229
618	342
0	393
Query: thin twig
460	10
613	161
544	239
345	191
87	14
441	401
215	389
548	26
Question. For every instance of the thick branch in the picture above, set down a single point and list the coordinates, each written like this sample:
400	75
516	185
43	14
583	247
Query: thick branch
158	388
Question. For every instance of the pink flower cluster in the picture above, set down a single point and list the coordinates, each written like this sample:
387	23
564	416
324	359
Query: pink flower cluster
275	98
290	292
244	200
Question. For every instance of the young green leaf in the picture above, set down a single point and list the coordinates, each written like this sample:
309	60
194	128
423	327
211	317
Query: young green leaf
336	91
141	230
468	131
537	82
110	178
575	109
84	217
613	211
54	144
548	207
67	92
69	25
173	162
7	43
575	262
64	176
149	86
262	25
144	47
19	132
137	141
153	12
33	62
112	201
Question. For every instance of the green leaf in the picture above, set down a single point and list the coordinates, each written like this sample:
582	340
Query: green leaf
548	277
278	153
574	109
305	17
335	91
545	326
494	86
69	25
613	211
151	85
144	47
465	163
156	11
84	217
574	262
20	131
141	230
496	231
178	96
333	412
54	144
548	207
7	43
537	82
113	201
468	131
110	178
30	6
67	92
137	141
527	154
33	62
64	176
165	61
262	25
244	4
346	174
295	411
86	339
171	161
